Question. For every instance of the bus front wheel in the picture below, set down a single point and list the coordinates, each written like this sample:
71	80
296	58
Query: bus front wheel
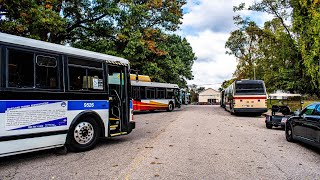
170	107
83	135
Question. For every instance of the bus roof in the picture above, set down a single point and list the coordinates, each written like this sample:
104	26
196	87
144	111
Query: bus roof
248	81
154	84
27	42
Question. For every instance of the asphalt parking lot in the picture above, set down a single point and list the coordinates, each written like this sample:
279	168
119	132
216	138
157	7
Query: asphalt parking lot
194	142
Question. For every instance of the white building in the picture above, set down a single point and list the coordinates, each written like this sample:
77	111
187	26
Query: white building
209	96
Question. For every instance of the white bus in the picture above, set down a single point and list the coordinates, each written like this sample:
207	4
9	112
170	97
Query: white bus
54	96
246	96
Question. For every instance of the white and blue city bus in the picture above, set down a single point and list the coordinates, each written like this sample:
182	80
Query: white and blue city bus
54	96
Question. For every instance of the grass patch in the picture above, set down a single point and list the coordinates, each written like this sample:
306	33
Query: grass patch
293	104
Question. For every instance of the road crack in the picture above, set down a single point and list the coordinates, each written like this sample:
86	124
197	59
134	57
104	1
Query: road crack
14	173
274	164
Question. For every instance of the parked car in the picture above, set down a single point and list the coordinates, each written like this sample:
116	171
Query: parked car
305	125
282	105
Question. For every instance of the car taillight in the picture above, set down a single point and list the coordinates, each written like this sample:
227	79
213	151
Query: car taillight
284	119
131	111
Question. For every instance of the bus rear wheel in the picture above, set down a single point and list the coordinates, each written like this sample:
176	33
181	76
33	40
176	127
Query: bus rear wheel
83	135
170	107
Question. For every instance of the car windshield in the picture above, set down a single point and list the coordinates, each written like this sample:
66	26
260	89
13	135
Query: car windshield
309	109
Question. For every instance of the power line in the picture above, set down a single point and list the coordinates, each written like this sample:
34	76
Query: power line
207	84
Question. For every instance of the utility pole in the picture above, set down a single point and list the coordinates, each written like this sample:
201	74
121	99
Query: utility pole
254	72
137	73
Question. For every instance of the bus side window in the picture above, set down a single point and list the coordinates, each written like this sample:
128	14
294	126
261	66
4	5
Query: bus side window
170	93
77	78
142	92
21	68
85	75
46	72
150	92
135	92
95	79
160	93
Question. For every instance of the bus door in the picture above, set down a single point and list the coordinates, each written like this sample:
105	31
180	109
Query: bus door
118	99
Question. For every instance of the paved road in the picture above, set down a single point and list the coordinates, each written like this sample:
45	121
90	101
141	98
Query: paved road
195	142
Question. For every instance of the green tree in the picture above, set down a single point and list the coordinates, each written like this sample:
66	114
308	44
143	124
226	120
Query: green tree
31	18
227	83
272	50
141	36
138	30
306	23
194	95
176	65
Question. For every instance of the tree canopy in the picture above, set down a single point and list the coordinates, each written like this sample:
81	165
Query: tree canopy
285	51
138	30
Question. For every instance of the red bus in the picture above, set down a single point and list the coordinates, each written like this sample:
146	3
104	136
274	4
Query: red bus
150	96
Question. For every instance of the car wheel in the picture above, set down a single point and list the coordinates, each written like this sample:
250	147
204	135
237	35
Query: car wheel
83	135
269	126
289	135
170	107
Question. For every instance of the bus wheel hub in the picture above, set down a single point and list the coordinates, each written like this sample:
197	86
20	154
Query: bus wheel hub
83	133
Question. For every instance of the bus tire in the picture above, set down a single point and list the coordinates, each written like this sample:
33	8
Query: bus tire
232	111
170	107
83	135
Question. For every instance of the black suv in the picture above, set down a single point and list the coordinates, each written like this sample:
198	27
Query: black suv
305	125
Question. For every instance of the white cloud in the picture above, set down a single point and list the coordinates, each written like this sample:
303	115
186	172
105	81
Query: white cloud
208	45
213	65
216	15
207	25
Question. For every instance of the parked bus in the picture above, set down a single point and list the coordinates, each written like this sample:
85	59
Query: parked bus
150	96
222	99
246	96
184	97
54	96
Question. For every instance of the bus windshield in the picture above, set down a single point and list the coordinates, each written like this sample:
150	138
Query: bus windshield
256	89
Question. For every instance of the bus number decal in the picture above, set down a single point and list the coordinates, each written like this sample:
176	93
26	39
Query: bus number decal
90	105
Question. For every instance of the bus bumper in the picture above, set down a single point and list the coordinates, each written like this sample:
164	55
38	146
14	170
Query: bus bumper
250	110
132	125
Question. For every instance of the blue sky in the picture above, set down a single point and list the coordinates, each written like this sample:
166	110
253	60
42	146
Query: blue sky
207	25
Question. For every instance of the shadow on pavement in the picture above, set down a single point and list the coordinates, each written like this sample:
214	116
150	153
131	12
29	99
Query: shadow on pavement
248	115
156	111
25	157
308	146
